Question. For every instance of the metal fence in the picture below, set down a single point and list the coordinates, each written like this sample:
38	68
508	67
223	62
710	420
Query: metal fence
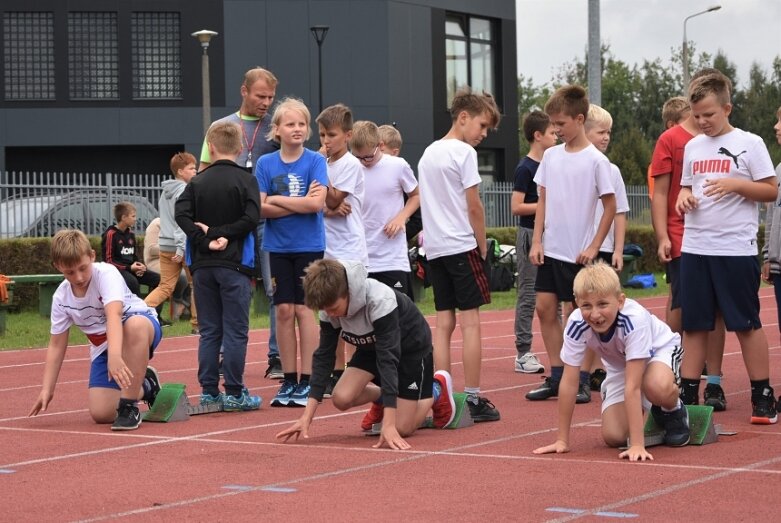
38	204
496	200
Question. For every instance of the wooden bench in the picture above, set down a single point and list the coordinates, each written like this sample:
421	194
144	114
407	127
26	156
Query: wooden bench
47	284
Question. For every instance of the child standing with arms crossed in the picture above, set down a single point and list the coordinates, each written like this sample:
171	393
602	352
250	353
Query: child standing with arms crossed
454	221
293	184
726	171
122	330
571	179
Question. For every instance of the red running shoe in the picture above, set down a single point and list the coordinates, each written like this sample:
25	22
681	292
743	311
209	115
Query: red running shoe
444	409
374	415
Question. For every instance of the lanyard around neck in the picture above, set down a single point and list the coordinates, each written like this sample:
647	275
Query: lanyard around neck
246	141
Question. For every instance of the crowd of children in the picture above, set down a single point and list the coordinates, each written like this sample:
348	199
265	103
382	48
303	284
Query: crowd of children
336	233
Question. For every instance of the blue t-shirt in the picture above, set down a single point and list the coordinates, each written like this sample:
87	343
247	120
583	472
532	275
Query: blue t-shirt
295	232
524	182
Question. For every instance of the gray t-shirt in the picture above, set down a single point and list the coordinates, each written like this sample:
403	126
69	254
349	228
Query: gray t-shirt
253	139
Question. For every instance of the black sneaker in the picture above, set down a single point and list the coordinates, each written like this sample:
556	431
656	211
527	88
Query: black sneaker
128	417
154	386
329	387
675	424
596	378
548	389
714	397
274	370
764	410
584	394
483	410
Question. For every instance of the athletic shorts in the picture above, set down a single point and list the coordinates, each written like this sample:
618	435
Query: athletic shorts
673	271
396	280
556	276
416	372
287	275
606	257
729	284
615	382
459	281
98	372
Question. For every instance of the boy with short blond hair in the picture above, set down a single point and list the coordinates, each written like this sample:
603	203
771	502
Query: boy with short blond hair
675	110
390	139
122	330
454	221
726	171
571	179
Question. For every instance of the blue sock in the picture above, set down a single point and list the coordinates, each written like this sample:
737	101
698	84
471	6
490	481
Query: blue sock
436	391
713	380
556	373
585	376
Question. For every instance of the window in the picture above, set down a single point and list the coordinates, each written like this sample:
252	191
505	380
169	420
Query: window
487	162
470	49
156	58
28	55
93	56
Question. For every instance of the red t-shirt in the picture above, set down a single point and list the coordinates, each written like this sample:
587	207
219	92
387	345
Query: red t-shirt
668	159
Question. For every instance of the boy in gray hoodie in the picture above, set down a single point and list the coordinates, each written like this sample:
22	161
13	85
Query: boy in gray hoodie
172	239
392	367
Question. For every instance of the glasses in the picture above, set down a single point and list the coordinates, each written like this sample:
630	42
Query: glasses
370	157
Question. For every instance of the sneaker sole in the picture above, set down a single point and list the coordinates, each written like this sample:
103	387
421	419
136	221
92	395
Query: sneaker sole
118	428
531	397
279	403
449	390
678	444
755	420
521	370
481	419
297	403
717	406
276	376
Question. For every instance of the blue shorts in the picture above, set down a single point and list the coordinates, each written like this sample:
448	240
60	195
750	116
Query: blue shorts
98	372
287	275
729	284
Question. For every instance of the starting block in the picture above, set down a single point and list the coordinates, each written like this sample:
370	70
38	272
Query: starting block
462	418
701	427
171	404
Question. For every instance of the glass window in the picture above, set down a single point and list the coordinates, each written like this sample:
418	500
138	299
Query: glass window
454	26
486	164
470	55
93	56
156	55
28	55
457	70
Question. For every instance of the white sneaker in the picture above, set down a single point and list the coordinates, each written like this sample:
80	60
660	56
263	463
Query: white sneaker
528	364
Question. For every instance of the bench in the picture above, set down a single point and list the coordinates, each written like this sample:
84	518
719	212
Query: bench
47	284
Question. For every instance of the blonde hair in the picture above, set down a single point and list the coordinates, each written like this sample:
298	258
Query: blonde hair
390	136
596	278
68	247
674	109
365	134
285	105
180	161
597	116
570	100
258	73
325	281
475	105
225	137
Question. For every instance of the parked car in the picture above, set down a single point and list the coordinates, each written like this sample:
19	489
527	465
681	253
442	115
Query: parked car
88	211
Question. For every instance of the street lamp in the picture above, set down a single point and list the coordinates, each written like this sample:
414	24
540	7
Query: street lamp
204	36
686	46
319	32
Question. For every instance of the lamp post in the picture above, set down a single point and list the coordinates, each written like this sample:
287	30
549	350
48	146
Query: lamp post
686	46
204	36
319	32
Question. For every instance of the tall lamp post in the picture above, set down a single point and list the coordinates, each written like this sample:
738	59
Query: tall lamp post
686	46
319	32
204	36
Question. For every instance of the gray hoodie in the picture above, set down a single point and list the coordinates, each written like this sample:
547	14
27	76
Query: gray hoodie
771	250
378	319
172	238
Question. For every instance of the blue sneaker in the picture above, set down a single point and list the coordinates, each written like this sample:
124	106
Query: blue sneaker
243	402
282	398
300	396
208	399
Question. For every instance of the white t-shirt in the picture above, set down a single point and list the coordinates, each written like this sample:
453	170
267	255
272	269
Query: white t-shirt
386	182
344	235
727	227
637	334
622	205
573	183
446	170
88	312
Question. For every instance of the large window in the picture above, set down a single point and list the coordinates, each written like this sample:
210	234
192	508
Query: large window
93	56
155	46
28	55
470	47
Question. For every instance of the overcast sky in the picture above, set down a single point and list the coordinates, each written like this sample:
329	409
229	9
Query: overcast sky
553	32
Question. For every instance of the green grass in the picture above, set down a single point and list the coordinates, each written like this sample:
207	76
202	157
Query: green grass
27	329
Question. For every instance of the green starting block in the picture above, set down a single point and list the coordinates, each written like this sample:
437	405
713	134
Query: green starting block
462	418
701	427
172	404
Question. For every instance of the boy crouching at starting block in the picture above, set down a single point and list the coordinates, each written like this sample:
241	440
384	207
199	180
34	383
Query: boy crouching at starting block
641	356
392	367
123	333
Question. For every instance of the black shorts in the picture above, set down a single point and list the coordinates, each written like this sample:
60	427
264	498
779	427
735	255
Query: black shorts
673	272
396	280
416	372
556	276
606	257
459	281
729	284
287	275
